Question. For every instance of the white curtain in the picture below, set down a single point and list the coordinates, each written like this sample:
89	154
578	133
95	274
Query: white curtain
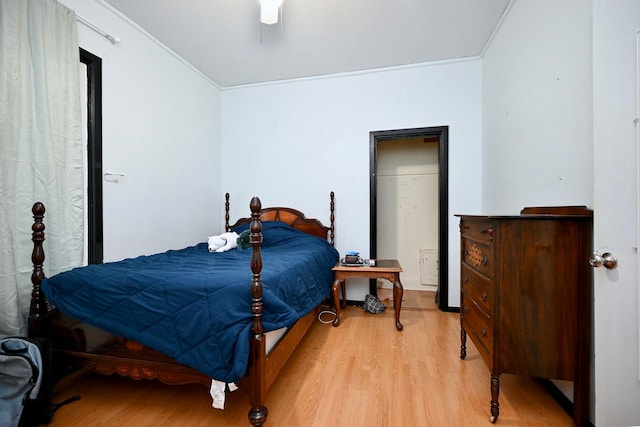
40	147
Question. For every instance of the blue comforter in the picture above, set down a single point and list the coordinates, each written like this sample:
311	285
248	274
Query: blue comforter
195	305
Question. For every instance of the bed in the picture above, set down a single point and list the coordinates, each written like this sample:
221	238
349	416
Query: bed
174	317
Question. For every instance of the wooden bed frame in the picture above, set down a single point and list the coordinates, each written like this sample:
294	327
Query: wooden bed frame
77	344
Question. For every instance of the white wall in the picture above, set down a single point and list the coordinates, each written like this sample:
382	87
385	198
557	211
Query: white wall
291	143
161	127
537	108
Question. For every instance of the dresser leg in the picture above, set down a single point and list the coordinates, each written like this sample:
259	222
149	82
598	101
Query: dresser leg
495	392
463	344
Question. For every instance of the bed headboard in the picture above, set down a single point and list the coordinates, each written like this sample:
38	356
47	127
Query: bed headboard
293	217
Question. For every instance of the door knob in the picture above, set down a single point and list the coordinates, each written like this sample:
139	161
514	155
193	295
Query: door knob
607	259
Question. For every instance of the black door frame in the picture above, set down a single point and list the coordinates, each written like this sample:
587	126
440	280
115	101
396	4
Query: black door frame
441	134
94	155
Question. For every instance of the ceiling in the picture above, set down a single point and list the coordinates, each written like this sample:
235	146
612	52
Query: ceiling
225	40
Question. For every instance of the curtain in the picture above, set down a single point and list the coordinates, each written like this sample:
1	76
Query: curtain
40	147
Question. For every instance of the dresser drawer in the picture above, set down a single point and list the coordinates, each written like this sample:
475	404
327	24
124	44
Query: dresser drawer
477	287
477	230
478	325
477	256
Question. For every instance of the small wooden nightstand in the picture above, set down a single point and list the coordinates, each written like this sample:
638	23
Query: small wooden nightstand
388	269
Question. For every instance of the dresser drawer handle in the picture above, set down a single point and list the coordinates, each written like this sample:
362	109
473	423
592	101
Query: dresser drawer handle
465	309
485	260
484	296
483	333
488	231
465	280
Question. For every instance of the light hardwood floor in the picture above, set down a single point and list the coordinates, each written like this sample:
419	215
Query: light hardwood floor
362	373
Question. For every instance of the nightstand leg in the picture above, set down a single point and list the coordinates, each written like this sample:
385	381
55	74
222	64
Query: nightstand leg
336	301
398	291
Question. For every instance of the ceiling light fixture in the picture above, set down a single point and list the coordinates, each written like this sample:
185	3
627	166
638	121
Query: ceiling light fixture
270	11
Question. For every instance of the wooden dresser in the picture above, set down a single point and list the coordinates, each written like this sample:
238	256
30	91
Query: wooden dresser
526	296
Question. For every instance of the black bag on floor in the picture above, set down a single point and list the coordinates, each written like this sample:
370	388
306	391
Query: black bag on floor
373	305
26	381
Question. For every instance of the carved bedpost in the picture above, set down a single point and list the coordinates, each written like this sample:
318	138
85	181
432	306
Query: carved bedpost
258	412
38	308
332	206
226	212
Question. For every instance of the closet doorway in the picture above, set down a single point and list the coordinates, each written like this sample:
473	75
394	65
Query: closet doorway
409	206
91	92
